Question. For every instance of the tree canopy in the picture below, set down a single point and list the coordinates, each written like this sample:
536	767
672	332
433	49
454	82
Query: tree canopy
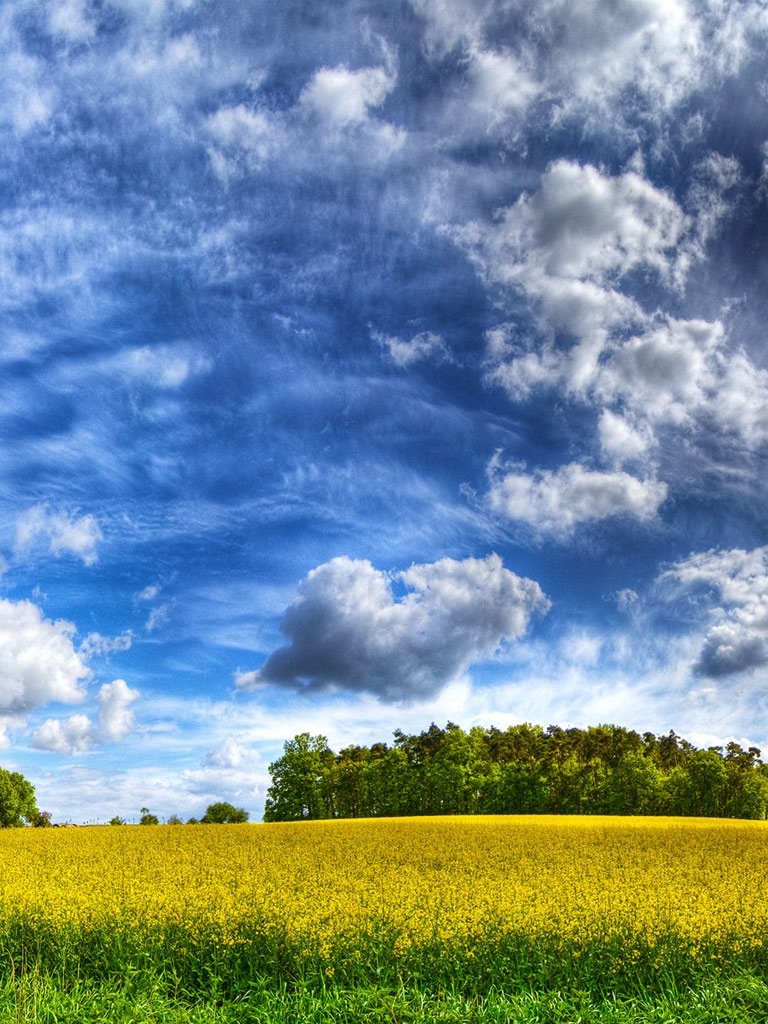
17	801
222	813
524	769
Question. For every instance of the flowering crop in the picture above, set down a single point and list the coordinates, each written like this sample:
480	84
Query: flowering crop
326	892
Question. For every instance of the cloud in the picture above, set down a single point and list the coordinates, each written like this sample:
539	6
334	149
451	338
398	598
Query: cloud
554	502
425	345
73	735
733	587
666	374
586	59
78	734
242	138
232	769
569	244
38	662
63	531
115	716
347	630
343	97
728	650
97	645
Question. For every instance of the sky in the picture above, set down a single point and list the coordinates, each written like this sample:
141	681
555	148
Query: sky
370	363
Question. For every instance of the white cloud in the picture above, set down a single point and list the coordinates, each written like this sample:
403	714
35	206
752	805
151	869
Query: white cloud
425	345
555	501
73	735
343	97
234	769
249	680
587	56
69	18
63	531
38	662
621	440
241	139
115	715
97	645
567	248
733	584
666	374
346	629
78	734
581	225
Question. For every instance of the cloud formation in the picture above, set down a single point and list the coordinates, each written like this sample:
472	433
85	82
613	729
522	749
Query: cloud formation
64	532
347	630
78	734
734	584
556	502
38	662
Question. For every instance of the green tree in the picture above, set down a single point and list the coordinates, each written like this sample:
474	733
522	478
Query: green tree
117	820
17	800
223	813
297	780
147	818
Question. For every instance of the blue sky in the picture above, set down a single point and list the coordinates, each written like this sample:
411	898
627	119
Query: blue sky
364	364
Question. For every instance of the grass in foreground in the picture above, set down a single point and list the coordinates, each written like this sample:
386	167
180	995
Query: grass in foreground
741	1000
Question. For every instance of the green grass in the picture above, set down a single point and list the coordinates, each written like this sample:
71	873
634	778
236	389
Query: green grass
142	976
33	998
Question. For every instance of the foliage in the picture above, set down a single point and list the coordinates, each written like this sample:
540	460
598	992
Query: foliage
223	813
17	800
525	769
298	787
147	818
117	820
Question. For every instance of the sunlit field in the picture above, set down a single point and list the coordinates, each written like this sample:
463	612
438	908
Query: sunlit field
437	913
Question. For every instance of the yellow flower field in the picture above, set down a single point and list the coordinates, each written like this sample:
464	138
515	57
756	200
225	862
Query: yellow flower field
448	881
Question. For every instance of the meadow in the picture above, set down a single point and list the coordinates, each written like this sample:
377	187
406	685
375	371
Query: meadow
527	918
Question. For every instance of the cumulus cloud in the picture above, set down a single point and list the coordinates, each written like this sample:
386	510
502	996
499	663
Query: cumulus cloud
232	769
64	532
666	374
347	630
115	715
343	97
588	56
73	735
38	662
734	586
554	502
729	649
78	734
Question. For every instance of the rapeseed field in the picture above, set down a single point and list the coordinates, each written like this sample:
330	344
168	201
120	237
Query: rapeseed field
471	905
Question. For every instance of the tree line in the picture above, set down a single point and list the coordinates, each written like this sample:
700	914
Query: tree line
524	769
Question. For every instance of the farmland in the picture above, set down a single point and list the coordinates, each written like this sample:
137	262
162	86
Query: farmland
452	918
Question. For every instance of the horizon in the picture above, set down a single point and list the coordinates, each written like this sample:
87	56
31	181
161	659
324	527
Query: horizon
368	365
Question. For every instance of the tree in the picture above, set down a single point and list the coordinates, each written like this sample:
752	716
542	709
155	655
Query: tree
117	820
17	800
223	813
147	818
297	780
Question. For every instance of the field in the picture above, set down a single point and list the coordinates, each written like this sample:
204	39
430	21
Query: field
421	919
